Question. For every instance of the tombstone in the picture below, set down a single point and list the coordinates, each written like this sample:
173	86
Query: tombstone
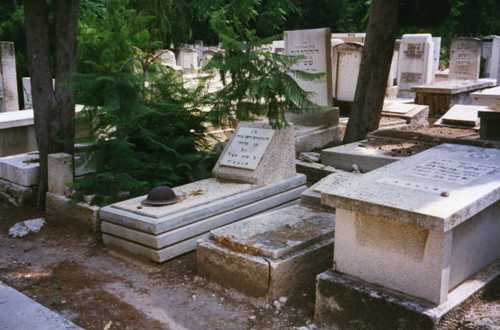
188	60
314	46
346	69
489	97
8	77
437	52
393	72
461	116
491	57
167	58
414	239
28	102
255	173
278	46
465	59
350	37
416	61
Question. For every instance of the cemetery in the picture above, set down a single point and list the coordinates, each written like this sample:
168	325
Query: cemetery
249	165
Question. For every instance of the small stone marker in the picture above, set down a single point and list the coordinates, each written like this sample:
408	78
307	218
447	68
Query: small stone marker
416	61
28	102
462	115
8	76
437	52
412	225
247	147
314	45
346	68
465	59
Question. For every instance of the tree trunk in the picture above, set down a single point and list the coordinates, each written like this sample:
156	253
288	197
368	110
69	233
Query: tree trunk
53	107
383	26
44	103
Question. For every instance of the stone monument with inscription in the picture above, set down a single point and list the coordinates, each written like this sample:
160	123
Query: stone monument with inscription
465	59
345	70
255	173
314	130
8	78
416	62
188	60
415	238
491	56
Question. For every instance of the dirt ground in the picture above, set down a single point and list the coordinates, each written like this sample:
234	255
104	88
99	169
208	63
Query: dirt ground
63	268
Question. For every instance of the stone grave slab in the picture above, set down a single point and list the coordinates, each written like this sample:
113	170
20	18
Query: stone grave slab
461	116
270	255
312	196
255	173
416	61
489	97
416	115
410	226
465	59
20	169
315	46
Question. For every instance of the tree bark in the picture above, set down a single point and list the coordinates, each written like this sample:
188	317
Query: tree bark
53	107
383	27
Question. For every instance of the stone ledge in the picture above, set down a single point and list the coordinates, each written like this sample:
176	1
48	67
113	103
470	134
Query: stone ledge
61	208
17	195
342	301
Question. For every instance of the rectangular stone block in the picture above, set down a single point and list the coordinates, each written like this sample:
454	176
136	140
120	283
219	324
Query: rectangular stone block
8	74
465	58
461	116
416	61
20	169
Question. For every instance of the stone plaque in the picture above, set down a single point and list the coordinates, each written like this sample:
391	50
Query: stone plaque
452	170
416	61
465	58
247	148
347	70
314	46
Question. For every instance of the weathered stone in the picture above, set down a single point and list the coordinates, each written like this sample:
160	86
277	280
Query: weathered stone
60	173
489	97
270	155
416	61
491	55
61	208
315	46
17	195
28	101
490	125
20	169
410	226
461	116
8	75
345	70
465	59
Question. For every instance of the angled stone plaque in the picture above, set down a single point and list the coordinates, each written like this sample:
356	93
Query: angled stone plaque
461	115
247	147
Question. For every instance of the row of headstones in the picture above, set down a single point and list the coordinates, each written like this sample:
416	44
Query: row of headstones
415	61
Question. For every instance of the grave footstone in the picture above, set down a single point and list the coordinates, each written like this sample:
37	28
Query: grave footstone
416	61
255	173
8	75
465	59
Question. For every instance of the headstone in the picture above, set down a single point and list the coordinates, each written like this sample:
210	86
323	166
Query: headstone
252	152
413	225
489	97
491	57
346	68
167	58
393	72
314	45
188	59
28	102
350	37
465	59
8	75
416	61
437	52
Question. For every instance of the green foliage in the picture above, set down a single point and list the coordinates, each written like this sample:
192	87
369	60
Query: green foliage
147	127
257	82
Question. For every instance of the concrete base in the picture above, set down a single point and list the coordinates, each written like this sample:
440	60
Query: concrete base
61	208
20	312
313	138
20	169
344	302
17	195
271	255
313	171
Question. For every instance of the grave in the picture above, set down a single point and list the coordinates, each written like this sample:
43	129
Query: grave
271	255
465	59
442	95
167	58
345	70
416	115
491	57
461	116
437	52
350	37
28	102
188	60
489	97
410	236
393	72
278	46
255	173
8	75
416	62
317	129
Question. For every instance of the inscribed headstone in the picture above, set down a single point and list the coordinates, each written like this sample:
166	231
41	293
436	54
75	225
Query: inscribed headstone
465	59
314	45
348	56
416	61
8	75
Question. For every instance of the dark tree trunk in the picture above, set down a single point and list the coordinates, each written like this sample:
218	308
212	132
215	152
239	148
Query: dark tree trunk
53	108
383	26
